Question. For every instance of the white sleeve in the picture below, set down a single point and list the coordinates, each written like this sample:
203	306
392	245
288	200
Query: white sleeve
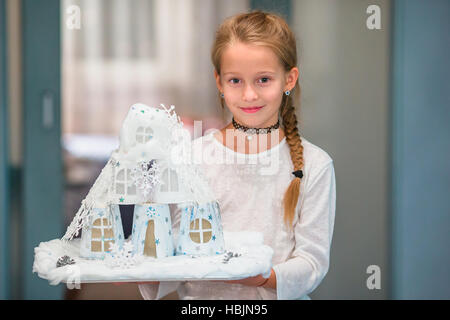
148	291
158	291
304	271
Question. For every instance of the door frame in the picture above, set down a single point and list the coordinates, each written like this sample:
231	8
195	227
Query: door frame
4	160
42	189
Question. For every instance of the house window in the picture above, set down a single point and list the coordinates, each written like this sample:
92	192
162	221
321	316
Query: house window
124	182
102	235
170	181
200	231
143	135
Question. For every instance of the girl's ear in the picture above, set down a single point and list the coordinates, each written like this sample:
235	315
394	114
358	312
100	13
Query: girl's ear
291	78
218	83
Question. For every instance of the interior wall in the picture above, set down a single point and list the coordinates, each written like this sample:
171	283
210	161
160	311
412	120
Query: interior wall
15	138
4	161
421	174
14	81
344	73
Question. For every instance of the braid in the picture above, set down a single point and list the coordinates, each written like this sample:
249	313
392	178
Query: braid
294	141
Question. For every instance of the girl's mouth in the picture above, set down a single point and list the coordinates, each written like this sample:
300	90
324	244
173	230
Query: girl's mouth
251	109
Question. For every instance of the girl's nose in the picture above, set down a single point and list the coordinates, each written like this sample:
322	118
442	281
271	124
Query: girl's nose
249	93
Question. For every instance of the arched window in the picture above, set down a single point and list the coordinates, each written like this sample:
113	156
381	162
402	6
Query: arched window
200	231
143	135
124	182
170	181
102	235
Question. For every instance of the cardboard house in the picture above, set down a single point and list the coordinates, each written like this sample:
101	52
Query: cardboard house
142	172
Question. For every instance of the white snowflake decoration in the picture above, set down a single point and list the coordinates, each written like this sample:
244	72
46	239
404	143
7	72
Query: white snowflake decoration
98	191
174	120
122	258
146	176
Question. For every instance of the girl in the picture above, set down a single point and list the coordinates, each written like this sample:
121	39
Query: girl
282	185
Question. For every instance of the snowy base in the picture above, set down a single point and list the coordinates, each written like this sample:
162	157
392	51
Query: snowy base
254	258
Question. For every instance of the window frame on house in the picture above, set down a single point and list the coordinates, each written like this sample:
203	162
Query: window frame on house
128	188
197	227
144	134
171	177
101	233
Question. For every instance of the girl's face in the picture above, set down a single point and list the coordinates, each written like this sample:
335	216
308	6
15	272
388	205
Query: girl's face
253	82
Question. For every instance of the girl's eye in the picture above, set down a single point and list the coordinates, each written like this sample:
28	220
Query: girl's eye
262	80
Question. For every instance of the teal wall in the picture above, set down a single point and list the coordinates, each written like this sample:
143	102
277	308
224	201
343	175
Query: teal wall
4	161
282	7
42	188
421	150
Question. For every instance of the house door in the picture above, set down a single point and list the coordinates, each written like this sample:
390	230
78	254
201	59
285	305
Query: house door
150	245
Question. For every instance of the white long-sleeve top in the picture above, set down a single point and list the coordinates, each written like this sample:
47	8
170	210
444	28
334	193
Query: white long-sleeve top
250	190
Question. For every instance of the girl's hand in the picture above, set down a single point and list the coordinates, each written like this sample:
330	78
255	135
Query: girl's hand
148	282
258	281
252	281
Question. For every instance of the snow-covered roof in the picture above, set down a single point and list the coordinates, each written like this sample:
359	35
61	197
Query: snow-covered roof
145	133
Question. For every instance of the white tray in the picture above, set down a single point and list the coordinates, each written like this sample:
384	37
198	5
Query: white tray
255	258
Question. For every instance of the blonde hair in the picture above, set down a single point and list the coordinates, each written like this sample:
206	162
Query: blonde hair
272	31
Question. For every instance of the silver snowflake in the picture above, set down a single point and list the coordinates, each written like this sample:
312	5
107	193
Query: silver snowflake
63	261
228	255
146	176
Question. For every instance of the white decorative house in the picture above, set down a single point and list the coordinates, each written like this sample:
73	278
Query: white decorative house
146	171
200	230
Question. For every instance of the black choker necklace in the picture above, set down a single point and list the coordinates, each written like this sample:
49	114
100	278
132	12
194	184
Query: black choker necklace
251	131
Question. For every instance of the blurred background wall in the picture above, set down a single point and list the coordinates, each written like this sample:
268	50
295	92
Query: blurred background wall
345	110
364	94
421	151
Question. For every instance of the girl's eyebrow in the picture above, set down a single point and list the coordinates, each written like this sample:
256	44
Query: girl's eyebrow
261	72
